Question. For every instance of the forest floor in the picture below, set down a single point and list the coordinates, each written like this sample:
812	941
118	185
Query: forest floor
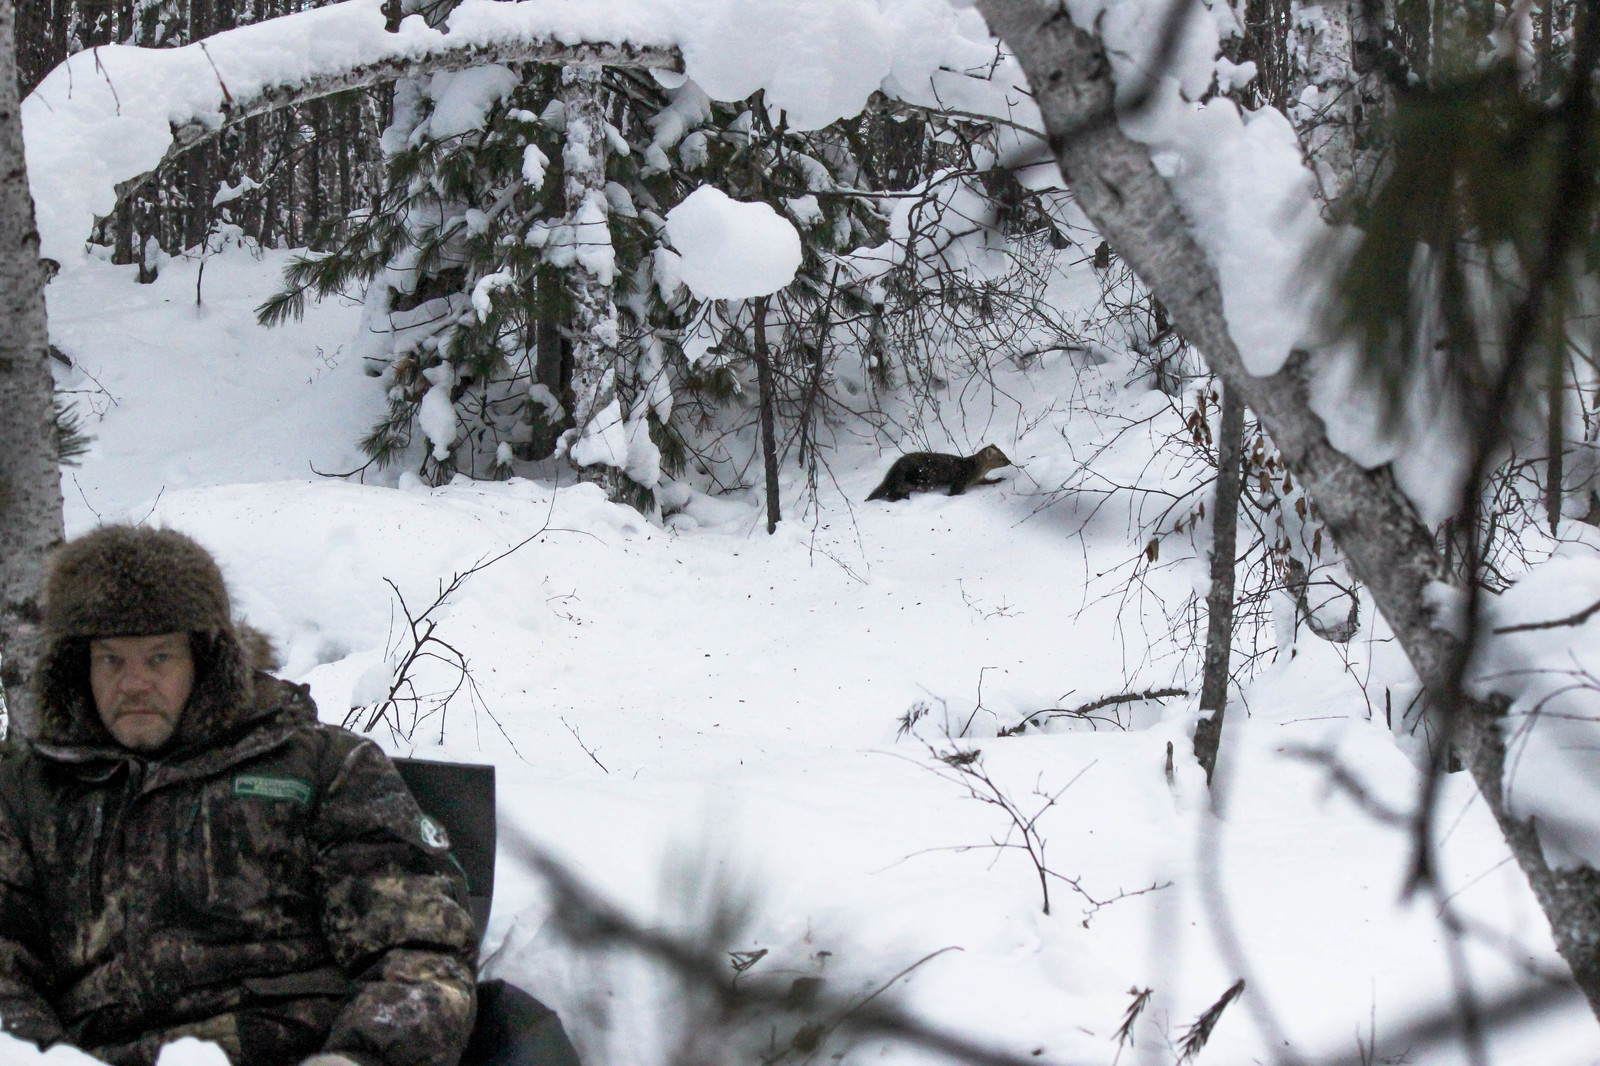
677	707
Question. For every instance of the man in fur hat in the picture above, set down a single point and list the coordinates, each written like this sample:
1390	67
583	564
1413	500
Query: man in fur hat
186	851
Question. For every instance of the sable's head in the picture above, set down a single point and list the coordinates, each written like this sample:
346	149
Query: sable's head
993	458
120	585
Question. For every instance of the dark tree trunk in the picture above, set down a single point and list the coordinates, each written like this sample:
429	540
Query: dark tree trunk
1219	601
30	478
1555	436
291	235
769	437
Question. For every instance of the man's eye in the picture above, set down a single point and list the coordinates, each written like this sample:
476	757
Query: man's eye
159	657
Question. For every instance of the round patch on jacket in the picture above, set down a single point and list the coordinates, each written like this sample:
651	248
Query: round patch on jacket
433	833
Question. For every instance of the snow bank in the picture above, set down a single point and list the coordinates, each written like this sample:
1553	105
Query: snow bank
14	1052
731	250
185	1051
1552	675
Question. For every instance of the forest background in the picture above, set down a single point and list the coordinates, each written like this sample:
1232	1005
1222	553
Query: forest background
532	304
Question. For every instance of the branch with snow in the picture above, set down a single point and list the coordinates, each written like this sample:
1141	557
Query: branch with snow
108	117
105	119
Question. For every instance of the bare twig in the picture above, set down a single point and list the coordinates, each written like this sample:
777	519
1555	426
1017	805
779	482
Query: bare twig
586	749
1576	619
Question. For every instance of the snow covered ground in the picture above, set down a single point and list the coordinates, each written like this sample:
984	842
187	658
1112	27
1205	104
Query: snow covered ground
656	698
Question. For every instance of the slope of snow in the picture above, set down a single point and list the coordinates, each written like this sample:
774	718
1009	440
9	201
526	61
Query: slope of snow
1551	670
704	696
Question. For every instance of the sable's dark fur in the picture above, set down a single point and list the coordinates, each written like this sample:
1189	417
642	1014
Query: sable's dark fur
925	471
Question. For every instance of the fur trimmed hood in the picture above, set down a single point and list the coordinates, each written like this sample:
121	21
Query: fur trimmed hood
131	581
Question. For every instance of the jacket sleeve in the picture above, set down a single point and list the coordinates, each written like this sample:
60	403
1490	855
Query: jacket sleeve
394	914
24	945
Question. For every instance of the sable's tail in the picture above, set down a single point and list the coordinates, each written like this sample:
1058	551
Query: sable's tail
880	492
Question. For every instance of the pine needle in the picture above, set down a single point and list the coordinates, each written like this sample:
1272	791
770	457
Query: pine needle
1124	1034
1194	1040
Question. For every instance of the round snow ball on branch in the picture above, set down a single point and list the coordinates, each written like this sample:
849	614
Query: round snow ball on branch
732	250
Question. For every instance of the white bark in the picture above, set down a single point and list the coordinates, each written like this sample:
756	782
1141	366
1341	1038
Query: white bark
30	478
1373	64
593	322
1388	547
1325	117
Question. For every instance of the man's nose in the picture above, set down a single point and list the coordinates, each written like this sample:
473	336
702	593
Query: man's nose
138	677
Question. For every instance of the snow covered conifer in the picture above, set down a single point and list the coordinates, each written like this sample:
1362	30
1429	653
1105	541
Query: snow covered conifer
550	292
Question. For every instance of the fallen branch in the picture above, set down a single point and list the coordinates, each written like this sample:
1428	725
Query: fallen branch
1089	708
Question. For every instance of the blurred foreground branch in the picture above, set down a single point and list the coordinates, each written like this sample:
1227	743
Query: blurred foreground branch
1389	548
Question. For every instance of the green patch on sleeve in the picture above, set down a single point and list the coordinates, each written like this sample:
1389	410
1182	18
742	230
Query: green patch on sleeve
293	789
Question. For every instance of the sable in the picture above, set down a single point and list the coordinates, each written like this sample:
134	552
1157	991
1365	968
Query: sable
925	471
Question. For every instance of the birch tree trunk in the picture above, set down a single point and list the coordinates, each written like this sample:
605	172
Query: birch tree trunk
1387	545
1376	67
30	478
594	316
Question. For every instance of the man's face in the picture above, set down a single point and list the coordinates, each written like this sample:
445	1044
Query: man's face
140	686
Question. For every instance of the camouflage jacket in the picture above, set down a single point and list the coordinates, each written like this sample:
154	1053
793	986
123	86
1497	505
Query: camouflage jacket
276	890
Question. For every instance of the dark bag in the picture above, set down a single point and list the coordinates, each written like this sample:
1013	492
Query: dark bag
514	1029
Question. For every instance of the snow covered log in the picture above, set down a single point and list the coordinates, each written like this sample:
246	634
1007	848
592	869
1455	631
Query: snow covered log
1388	546
104	120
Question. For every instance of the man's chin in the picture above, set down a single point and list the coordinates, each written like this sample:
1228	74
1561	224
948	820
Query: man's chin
142	731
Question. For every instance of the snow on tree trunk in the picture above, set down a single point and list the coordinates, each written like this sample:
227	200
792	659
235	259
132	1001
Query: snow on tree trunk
30	479
1387	545
1321	102
1374	64
598	447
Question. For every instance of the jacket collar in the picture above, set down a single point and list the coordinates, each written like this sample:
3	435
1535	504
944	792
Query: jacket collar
276	711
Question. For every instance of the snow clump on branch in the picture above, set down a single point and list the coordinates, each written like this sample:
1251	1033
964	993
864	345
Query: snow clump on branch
730	250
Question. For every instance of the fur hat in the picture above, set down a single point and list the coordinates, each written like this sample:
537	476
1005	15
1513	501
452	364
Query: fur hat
128	581
131	581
